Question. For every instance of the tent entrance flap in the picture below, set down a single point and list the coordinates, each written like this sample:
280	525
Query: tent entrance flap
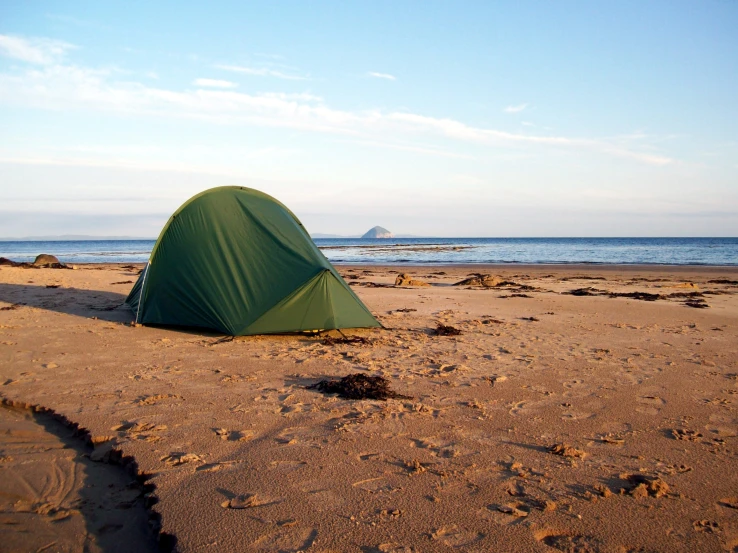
322	303
134	297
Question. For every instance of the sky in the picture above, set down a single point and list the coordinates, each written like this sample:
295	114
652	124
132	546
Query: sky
432	118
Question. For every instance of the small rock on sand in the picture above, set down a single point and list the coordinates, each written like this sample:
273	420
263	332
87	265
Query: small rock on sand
406	280
488	281
566	451
46	260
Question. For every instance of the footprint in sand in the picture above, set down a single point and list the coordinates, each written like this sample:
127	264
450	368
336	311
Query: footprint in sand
369	456
287	466
568	542
290	537
453	536
140	430
234	435
293	408
507	514
138	427
576	416
446	450
729	502
686	435
522	408
374	485
724	426
322	499
295	436
180	458
245	501
650	405
215	467
155	398
390	547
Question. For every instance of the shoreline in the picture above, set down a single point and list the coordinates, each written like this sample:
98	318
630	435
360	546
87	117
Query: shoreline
549	266
582	267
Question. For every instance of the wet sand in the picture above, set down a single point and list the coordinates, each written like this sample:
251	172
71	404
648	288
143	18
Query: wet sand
600	421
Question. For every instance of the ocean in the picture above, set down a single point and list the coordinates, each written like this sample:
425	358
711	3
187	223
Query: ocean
662	251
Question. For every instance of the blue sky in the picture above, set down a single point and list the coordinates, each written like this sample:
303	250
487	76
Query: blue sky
428	118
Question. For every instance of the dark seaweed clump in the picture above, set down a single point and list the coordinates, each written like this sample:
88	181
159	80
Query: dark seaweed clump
329	341
445	330
358	386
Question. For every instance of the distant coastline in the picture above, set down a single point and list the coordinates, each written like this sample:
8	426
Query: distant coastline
92	238
72	238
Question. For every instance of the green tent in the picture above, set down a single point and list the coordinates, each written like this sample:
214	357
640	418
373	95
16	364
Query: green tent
236	260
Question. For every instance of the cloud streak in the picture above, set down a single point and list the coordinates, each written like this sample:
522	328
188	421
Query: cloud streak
516	109
385	76
214	83
41	51
260	72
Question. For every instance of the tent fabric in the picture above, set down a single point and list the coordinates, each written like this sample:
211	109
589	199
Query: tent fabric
236	260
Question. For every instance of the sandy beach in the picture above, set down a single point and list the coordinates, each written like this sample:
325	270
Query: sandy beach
599	420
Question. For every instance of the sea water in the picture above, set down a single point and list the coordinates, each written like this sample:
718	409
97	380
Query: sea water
667	251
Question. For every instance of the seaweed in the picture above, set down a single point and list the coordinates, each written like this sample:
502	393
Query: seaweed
329	341
445	330
358	386
645	296
585	292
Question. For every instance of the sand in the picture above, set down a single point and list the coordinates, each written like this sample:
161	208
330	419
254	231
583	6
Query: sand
552	422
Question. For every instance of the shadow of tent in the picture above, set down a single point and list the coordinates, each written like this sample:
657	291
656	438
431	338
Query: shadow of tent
104	305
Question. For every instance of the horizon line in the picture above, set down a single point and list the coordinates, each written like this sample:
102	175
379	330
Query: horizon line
328	236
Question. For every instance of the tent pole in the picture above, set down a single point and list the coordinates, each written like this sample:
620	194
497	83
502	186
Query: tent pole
140	294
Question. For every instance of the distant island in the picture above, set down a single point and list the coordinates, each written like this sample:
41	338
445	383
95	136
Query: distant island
378	232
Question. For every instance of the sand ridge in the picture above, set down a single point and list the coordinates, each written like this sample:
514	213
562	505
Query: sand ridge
600	421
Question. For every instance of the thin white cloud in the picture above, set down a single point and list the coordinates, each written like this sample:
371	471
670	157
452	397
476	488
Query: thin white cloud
386	76
515	109
68	19
42	51
65	86
269	56
301	96
214	83
651	159
417	149
260	72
